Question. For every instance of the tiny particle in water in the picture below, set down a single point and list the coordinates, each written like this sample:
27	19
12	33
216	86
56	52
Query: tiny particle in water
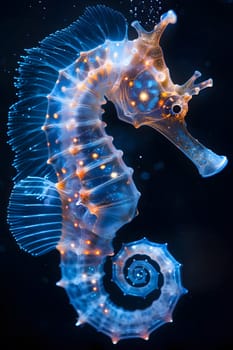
145	175
158	166
146	11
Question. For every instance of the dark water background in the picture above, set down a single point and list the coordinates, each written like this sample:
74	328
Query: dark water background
177	206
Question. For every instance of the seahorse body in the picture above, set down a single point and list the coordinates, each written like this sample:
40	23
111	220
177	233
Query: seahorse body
73	191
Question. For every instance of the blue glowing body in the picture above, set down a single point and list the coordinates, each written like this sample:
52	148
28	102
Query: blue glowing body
72	190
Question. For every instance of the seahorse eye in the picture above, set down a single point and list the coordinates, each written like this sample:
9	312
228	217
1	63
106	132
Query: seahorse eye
176	108
172	106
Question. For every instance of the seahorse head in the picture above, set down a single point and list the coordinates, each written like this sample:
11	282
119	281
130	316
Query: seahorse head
148	96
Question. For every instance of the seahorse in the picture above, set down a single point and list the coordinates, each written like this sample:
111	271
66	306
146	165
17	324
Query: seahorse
72	189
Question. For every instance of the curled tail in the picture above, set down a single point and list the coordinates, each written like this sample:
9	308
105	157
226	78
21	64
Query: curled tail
141	271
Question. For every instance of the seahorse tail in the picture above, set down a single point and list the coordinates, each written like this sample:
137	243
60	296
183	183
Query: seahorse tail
144	274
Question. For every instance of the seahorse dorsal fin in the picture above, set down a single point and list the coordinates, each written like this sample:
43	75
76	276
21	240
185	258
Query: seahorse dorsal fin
38	72
34	215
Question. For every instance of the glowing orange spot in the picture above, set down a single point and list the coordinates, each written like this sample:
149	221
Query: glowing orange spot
86	252
160	103
80	173
75	224
55	116
81	86
89	80
164	94
81	162
101	71
145	336
115	340
75	140
126	78
73	104
97	252
94	288
94	77
63	170
131	83
143	96
69	200
148	62
76	195
93	209
108	67
133	103
114	174
73	150
84	195
88	242
103	166
95	155
71	124
60	185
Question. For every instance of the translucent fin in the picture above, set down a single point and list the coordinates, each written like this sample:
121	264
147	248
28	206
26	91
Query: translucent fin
38	72
28	140
34	215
